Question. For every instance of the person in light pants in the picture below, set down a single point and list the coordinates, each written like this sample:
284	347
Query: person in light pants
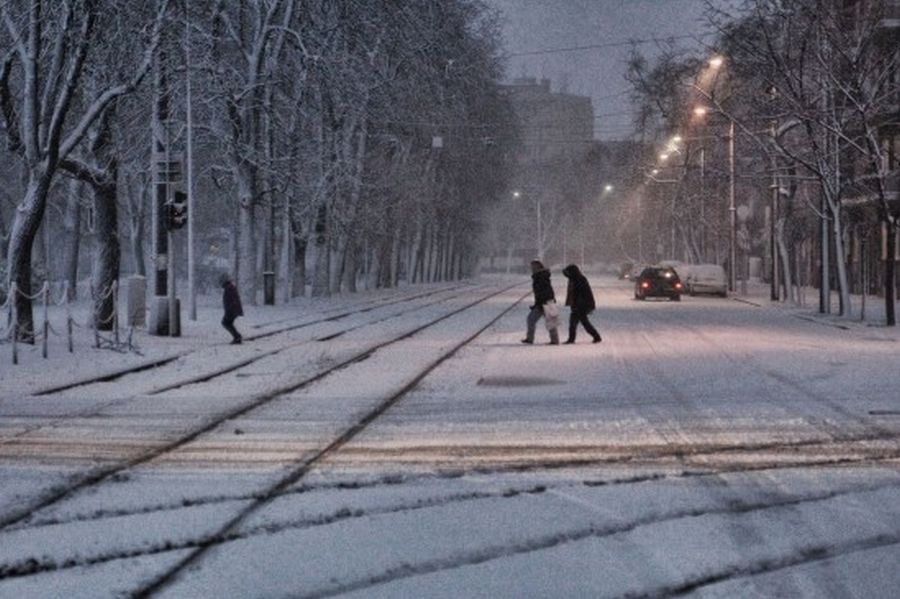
543	293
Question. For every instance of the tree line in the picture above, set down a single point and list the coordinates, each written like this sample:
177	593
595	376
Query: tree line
810	88
336	144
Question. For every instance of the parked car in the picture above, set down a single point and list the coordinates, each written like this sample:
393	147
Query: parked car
625	270
707	278
658	281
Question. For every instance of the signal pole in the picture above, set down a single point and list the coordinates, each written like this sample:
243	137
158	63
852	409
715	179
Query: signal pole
164	309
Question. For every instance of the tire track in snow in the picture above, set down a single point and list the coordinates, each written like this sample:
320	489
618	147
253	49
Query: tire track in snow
835	432
545	542
304	466
34	566
401	479
807	555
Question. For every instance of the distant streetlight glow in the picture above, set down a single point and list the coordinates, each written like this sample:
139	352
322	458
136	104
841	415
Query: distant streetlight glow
608	187
716	62
654	171
677	139
517	194
700	111
664	156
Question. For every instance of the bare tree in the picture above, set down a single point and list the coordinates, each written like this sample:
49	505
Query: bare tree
45	121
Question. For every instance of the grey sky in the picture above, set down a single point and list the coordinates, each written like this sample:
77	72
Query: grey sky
534	25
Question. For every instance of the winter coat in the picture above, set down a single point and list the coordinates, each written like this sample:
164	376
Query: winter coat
543	289
579	294
231	301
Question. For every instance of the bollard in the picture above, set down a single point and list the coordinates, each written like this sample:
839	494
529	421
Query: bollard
46	293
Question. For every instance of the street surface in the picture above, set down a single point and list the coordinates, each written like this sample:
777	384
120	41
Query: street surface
418	449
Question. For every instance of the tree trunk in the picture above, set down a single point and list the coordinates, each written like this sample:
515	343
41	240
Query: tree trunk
21	241
840	263
72	224
321	254
108	253
348	277
246	243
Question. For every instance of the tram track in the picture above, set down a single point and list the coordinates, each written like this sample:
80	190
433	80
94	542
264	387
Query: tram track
647	458
99	475
234	366
163	361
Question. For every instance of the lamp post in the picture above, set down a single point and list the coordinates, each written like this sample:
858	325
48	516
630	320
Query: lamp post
539	233
701	111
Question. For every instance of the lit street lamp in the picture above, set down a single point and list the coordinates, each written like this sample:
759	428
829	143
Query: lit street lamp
540	245
702	111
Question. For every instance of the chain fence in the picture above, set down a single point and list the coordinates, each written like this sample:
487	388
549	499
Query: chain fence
16	332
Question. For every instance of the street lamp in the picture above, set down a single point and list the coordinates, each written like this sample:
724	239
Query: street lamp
701	111
716	62
540	245
608	188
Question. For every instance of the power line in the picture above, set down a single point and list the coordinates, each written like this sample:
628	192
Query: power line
631	42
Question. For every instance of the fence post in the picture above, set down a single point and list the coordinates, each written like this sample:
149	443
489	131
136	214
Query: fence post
13	290
46	293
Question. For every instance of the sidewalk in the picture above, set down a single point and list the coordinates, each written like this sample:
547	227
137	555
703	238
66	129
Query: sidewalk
758	294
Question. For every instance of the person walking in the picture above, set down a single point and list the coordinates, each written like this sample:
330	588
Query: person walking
581	299
543	295
231	301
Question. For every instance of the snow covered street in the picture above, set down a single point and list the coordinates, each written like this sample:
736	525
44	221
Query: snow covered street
411	446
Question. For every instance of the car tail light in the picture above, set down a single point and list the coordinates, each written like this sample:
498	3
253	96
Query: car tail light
677	285
645	284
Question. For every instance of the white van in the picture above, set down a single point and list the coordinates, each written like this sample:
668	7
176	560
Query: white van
707	278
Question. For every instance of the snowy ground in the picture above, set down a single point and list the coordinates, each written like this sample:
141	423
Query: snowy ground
717	447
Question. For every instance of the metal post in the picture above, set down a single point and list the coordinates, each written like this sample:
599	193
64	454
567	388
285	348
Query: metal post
160	184
69	331
13	290
774	294
732	209
540	248
703	204
46	293
192	281
115	314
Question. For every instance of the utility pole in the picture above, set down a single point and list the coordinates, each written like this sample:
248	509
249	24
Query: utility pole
774	294
192	281
164	309
732	210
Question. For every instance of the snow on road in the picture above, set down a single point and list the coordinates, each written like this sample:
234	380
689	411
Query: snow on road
707	446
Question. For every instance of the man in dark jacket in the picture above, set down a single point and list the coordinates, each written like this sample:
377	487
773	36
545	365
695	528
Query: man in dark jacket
581	299
543	293
231	301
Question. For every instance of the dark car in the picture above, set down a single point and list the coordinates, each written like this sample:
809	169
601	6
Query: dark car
658	281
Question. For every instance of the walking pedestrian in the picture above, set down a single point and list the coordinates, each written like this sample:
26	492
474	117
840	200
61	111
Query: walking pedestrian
544	304
231	301
580	298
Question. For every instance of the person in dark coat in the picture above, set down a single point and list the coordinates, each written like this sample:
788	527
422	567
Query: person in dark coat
580	298
231	301
543	293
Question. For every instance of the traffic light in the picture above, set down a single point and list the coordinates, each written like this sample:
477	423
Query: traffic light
177	212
